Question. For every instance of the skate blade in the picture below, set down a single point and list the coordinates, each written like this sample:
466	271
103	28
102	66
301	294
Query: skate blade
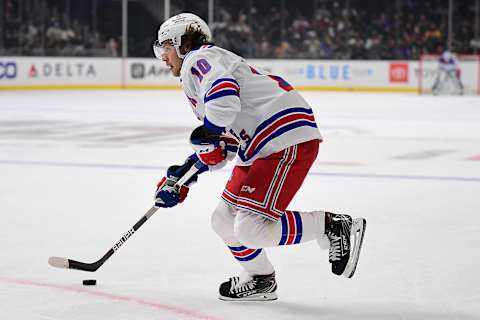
254	297
358	231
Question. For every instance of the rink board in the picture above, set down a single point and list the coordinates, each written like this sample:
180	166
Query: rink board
42	73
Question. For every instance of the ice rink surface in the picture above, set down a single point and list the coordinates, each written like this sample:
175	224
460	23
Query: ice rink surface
78	169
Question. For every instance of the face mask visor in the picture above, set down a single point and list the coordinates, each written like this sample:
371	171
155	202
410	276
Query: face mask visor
160	50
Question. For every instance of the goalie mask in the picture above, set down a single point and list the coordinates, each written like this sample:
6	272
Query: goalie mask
175	27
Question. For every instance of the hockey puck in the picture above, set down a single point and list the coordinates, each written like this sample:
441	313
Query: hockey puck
89	282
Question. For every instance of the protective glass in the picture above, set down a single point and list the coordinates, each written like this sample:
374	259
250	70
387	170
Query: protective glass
158	49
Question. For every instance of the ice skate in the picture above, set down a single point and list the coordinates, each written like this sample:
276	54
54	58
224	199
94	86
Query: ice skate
346	237
256	288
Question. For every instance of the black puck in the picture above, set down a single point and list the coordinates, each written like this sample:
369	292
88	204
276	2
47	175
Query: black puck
89	282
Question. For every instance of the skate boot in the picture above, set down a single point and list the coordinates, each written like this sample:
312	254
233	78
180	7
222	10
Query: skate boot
341	230
251	288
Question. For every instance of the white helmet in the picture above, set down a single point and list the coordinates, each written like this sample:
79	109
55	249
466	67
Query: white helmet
447	55
175	27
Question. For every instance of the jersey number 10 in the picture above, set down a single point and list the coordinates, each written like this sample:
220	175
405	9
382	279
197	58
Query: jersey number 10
203	66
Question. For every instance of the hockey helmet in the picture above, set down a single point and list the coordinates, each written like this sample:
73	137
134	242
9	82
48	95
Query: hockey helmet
175	27
447	55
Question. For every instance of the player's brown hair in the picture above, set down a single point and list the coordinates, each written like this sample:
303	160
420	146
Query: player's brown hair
193	38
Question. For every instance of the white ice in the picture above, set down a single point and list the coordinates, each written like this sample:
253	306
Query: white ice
78	169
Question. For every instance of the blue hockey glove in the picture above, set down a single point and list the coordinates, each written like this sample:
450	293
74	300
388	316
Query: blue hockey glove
168	195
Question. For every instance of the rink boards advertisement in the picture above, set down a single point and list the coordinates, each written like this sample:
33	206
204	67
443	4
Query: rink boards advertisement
346	75
17	73
59	73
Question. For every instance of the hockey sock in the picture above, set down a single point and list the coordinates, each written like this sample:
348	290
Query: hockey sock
298	227
254	261
254	231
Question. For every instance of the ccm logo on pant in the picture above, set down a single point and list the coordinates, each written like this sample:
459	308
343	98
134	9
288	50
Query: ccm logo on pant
248	189
8	70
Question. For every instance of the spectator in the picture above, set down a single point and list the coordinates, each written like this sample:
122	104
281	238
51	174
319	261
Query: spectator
354	29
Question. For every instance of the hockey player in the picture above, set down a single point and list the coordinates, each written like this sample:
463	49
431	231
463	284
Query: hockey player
270	128
448	70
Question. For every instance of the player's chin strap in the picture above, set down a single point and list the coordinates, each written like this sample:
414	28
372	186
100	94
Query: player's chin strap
66	263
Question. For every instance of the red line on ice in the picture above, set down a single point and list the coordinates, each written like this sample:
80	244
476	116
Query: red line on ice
476	157
111	296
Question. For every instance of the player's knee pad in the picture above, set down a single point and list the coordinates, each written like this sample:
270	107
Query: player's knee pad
222	220
252	230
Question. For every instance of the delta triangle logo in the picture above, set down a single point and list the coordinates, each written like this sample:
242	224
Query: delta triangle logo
33	71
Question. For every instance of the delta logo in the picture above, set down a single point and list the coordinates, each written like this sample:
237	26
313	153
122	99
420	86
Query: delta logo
62	70
33	73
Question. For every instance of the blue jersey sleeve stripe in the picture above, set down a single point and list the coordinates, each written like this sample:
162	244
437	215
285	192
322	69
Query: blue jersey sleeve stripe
222	80
212	127
223	93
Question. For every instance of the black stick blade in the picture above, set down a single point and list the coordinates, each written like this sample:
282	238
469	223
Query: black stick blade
65	263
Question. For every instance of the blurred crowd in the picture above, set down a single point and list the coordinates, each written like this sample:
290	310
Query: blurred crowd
344	30
42	30
313	29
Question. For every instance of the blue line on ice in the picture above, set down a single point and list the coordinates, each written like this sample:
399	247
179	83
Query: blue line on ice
315	173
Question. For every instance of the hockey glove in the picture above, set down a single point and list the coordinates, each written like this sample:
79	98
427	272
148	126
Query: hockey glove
211	148
168	195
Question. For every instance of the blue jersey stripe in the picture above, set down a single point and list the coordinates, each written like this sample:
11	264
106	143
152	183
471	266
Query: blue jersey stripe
280	114
277	133
219	94
212	127
222	80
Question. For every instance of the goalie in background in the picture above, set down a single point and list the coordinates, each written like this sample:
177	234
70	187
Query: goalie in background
448	75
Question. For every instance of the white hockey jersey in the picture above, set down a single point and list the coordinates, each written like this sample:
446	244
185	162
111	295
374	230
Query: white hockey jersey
448	62
261	111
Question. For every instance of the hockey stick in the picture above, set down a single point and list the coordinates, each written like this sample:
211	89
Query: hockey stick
65	263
